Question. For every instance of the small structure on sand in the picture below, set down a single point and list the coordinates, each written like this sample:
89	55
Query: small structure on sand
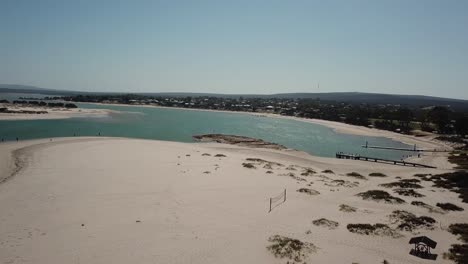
422	247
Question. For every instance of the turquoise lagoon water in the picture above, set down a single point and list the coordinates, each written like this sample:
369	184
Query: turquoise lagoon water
181	125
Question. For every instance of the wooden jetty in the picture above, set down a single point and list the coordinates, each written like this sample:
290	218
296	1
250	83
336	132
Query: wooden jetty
403	149
387	161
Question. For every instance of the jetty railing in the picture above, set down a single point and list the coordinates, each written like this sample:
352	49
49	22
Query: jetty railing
341	155
414	149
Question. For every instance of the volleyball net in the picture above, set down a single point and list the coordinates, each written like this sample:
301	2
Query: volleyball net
277	200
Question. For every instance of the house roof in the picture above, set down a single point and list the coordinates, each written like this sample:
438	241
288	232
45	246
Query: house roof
423	239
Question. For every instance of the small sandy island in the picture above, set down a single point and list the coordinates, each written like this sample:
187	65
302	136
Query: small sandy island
23	112
116	200
238	141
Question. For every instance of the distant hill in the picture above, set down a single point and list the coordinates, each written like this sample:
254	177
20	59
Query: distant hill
16	88
351	97
20	87
375	98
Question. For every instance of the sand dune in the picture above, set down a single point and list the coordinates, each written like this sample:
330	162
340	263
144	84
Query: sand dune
114	200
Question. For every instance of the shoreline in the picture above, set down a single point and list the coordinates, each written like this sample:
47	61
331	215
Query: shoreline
169	211
427	142
13	163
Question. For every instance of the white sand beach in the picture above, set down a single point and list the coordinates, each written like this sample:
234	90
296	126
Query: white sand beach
116	200
51	112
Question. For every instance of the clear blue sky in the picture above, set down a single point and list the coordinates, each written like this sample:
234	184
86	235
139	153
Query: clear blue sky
405	47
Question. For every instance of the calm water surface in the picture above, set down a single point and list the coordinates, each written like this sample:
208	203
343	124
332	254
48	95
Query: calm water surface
180	125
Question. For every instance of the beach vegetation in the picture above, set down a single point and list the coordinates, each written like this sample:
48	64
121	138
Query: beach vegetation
455	181
290	248
423	176
248	165
460	158
338	183
449	207
308	191
419	203
377	174
356	175
409	222
347	208
308	172
460	229
375	229
70	105
459	252
408	192
430	208
268	164
379	195
405	183
326	223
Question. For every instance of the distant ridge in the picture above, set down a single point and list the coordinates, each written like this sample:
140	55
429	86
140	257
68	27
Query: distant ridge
351	97
17	88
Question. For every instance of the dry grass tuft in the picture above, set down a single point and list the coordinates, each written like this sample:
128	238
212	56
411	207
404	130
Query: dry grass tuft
378	195
290	248
430	208
377	174
460	229
249	165
347	208
376	230
406	183
308	172
459	252
454	181
326	223
449	207
308	191
408	192
339	183
409	222
356	175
